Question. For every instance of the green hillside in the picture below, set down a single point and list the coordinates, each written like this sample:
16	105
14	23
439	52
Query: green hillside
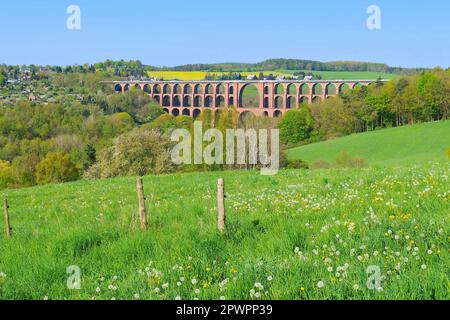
347	75
403	145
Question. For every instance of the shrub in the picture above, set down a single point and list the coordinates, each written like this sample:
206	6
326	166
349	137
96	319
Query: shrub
6	174
297	164
344	160
139	152
321	164
56	167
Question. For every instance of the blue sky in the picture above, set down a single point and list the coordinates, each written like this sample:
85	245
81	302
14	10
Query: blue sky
167	33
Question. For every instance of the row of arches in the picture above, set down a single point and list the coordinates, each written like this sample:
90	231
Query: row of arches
311	88
176	88
219	101
196	112
196	101
278	89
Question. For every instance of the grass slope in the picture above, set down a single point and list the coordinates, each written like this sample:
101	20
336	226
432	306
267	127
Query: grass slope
396	146
286	235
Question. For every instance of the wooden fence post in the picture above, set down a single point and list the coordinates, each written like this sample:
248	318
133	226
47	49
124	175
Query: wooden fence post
8	227
221	205
140	192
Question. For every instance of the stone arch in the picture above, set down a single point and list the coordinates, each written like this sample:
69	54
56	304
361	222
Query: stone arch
209	89
317	99
166	110
277	114
137	86
266	103
118	88
249	96
187	101
147	88
278	103
330	89
167	89
176	89
208	101
198	89
266	89
265	114
220	101
317	89
304	99
166	101
198	101
245	115
157	99
220	89
176	112
231	101
186	112
126	88
187	89
357	85
292	89
176	101
279	88
196	113
231	89
304	89
344	87
290	103
156	89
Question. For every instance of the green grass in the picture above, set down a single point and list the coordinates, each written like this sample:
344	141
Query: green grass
345	220
326	75
388	147
347	75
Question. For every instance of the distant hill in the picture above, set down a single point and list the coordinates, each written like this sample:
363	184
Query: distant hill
396	146
294	65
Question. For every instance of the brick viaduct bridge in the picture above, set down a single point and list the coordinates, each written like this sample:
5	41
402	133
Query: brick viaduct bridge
264	98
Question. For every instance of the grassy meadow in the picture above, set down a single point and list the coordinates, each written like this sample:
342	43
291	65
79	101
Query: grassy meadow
301	234
326	75
388	147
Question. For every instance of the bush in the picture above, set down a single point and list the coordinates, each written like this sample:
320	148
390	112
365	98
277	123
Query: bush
139	152
296	164
56	167
321	164
6	174
345	161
